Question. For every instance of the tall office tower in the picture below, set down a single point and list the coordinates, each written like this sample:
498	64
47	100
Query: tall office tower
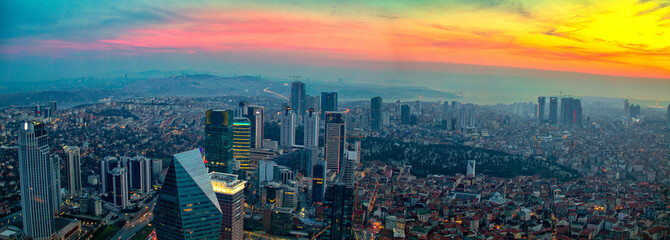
297	97
156	169
634	111
553	110
241	110
230	195
53	105
218	140
338	212
571	111
312	102
287	128
541	102
107	164
334	140
404	114
466	117
626	107
328	103
255	114
39	191
311	129
471	168
376	116
242	142
667	114
139	174
283	174
318	183
350	164
73	169
187	207
120	197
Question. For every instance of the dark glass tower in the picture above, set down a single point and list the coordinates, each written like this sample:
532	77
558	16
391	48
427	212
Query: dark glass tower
404	114
376	116
187	207
257	121
553	110
318	183
335	139
298	97
540	108
218	140
338	212
328	102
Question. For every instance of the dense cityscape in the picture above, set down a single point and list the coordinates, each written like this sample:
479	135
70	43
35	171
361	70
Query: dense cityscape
314	167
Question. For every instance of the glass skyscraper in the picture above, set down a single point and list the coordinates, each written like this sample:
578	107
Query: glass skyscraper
38	173
328	102
230	194
335	139
242	142
218	140
376	113
187	207
338	212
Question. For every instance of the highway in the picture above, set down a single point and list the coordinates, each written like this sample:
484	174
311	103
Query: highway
137	224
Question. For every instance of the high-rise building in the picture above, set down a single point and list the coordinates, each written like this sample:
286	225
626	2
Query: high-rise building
471	168
541	102
571	111
311	129
290	197
404	114
466	117
242	142
626	107
271	193
350	164
338	212
39	192
218	140
667	117
334	140
266	171
318	183
328	103
108	164
241	110
230	195
139	173
120	197
53	106
255	114
553	110
73	169
187	206
297	97
287	128
312	102
376	116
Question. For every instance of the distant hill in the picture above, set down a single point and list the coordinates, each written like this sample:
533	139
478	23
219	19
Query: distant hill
198	85
63	97
450	160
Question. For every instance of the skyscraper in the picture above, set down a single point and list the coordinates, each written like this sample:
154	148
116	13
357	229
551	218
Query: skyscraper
667	117
287	128
467	117
471	168
187	207
350	164
311	129
297	97
73	169
139	174
338	212
120	197
242	142
328	102
218	140
266	171
571	111
39	192
318	183
334	140
255	114
540	109
376	113
404	114
230	196
553	110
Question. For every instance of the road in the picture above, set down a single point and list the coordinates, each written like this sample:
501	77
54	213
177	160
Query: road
11	218
137	224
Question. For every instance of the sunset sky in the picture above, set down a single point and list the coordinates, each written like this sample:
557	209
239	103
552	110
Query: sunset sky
39	39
